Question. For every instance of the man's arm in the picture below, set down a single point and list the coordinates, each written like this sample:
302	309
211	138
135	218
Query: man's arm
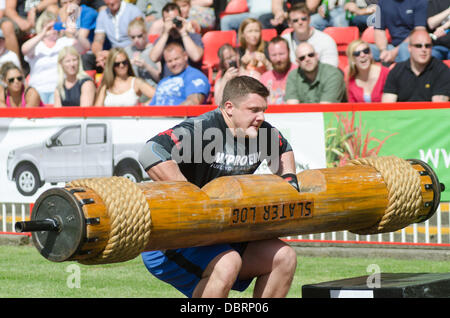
439	98
166	171
286	165
194	51
194	99
389	98
334	88
11	12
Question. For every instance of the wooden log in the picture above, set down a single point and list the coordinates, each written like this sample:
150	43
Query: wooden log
123	219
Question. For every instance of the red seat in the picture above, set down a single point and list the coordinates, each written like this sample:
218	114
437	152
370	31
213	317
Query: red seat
343	36
268	34
234	7
446	62
368	35
287	30
343	63
91	73
212	41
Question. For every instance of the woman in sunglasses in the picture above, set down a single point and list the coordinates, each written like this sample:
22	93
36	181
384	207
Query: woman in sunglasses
16	93
120	86
365	78
75	87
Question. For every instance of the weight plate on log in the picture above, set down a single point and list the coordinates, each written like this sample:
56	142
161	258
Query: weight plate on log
60	204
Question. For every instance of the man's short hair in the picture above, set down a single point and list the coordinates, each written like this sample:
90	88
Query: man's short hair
300	7
242	86
278	39
172	45
170	6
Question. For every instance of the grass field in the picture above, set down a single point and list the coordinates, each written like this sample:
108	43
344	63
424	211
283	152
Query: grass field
26	274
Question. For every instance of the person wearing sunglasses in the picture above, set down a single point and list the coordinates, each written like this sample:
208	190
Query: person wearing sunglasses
400	18
365	77
302	31
120	86
16	93
313	81
420	78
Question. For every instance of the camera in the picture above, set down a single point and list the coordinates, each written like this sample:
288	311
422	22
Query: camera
178	23
232	64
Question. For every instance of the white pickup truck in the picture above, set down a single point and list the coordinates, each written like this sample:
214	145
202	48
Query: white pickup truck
80	150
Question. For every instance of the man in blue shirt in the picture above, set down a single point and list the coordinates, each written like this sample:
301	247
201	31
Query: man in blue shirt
112	23
400	17
186	86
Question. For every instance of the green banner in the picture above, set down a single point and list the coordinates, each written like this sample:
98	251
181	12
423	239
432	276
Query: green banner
408	134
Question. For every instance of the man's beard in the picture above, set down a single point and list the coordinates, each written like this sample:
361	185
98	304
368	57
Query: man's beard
282	68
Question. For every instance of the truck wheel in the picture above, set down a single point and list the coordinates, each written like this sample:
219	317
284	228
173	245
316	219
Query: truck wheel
27	180
130	174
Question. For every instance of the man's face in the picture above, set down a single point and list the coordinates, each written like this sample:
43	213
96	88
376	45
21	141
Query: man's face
279	56
64	2
307	59
420	48
176	60
113	5
230	56
185	7
299	21
247	114
169	15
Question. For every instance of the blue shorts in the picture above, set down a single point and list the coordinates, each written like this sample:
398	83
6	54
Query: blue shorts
183	268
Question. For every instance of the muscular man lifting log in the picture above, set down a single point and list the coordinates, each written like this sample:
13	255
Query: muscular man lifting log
242	140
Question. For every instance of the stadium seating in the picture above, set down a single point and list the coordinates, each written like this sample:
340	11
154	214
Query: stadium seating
343	36
212	41
287	30
368	35
268	34
234	7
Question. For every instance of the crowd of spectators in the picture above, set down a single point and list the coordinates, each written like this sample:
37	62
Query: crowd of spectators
148	52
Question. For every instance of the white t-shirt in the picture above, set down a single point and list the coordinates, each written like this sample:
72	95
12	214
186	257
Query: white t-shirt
323	44
43	65
10	56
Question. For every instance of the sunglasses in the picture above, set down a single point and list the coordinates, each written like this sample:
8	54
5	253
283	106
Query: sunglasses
18	78
124	63
358	53
137	36
302	18
421	45
303	57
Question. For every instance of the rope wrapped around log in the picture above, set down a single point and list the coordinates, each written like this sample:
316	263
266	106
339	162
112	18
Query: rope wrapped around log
404	189
109	220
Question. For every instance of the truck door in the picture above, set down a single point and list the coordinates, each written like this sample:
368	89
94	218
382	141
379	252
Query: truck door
63	157
97	158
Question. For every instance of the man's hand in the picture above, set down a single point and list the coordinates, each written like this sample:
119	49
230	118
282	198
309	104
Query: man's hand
388	56
291	178
101	58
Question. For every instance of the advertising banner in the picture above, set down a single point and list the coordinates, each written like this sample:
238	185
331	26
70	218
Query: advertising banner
41	153
408	134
